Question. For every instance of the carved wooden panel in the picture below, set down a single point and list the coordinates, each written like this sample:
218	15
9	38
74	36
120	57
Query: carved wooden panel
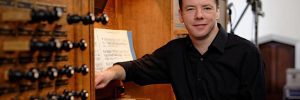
278	57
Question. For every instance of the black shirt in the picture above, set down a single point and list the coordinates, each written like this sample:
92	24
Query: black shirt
231	69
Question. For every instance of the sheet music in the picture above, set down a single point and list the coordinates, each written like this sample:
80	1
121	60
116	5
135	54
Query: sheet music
112	46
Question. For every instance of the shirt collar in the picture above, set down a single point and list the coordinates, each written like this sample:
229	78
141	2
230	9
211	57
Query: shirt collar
219	42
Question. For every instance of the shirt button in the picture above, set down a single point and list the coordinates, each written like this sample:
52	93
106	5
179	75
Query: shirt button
199	79
201	59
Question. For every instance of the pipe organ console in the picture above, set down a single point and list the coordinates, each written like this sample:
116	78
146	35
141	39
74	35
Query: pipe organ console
45	49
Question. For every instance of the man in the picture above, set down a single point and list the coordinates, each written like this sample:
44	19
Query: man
209	64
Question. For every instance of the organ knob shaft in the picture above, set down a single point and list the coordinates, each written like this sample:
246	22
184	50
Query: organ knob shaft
84	69
68	71
81	44
33	74
73	19
67	45
88	19
103	19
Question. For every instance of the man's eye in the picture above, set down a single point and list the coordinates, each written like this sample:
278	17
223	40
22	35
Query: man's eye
188	9
207	8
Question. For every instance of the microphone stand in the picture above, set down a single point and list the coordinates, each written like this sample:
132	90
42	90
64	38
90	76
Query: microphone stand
256	5
242	15
254	10
230	21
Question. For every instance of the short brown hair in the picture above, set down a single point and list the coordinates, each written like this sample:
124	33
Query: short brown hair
180	3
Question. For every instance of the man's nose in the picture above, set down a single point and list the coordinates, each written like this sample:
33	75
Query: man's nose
199	14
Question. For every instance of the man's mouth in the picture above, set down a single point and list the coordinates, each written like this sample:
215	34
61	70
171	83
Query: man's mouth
199	25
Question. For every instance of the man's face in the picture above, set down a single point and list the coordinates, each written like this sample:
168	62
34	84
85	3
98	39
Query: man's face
199	16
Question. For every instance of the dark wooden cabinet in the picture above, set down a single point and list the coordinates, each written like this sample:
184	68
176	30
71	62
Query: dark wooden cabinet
278	57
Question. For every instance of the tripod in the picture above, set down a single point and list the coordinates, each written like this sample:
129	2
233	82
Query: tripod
257	11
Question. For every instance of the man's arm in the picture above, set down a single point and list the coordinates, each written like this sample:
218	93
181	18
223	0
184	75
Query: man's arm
252	77
149	69
116	72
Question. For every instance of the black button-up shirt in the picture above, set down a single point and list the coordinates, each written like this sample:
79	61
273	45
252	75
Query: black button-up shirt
231	69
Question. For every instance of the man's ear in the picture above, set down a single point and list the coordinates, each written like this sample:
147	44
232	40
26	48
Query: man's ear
180	16
218	13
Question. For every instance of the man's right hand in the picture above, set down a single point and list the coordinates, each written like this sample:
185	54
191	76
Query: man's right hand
115	72
103	78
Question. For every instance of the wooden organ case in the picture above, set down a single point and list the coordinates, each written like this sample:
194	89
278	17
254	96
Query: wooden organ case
46	46
45	49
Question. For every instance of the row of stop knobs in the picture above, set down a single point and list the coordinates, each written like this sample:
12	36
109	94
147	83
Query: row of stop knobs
90	18
51	15
51	72
55	44
66	95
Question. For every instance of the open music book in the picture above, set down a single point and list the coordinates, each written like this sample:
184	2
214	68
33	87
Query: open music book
111	46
